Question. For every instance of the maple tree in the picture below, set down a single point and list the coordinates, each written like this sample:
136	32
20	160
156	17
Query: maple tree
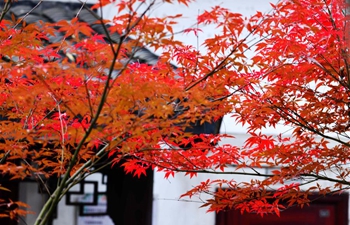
68	103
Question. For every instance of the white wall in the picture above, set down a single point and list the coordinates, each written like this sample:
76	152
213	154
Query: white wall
29	193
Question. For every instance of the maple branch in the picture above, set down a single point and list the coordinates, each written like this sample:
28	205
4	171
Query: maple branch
45	117
3	159
220	172
340	80
27	14
283	112
256	173
89	98
105	30
326	178
74	179
217	68
223	63
5	9
57	195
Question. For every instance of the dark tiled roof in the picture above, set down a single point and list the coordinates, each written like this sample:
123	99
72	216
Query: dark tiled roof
53	11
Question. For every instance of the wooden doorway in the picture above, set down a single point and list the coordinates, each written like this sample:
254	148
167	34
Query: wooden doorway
329	210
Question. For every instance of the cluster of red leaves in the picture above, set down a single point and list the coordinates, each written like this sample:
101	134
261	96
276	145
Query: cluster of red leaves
298	77
83	93
62	102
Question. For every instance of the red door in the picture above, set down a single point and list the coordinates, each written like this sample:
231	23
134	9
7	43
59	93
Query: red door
312	215
330	210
